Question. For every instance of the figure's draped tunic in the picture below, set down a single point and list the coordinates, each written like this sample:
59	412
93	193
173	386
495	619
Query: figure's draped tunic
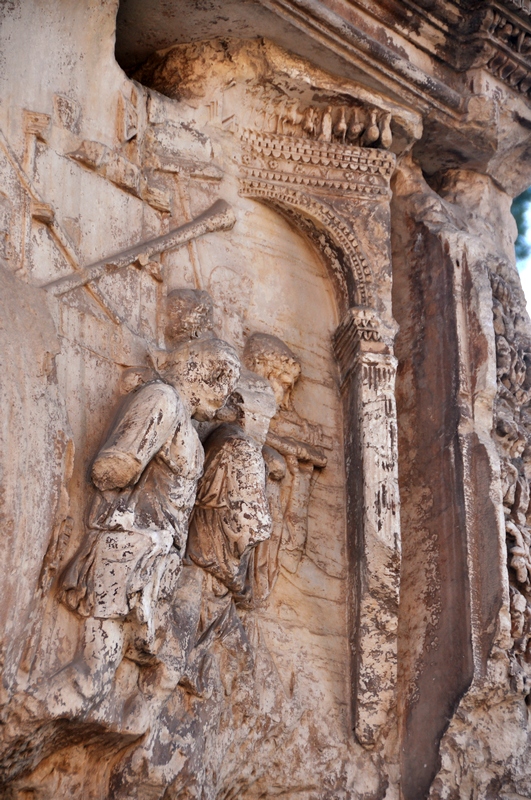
231	515
137	535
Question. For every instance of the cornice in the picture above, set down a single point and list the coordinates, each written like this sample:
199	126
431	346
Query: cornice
494	35
521	7
352	43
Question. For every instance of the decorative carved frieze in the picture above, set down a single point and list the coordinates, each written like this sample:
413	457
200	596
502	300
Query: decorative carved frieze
323	166
352	124
512	435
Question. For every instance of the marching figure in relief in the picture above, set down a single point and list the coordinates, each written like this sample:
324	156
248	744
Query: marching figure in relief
292	454
216	648
146	474
231	514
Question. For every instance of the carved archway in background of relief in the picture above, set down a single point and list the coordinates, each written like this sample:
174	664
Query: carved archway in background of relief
350	270
333	193
306	180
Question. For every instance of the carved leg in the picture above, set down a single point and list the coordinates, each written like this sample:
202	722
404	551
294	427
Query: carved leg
176	624
85	682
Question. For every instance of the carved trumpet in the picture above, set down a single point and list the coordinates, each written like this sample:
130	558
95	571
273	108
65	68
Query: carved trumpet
219	217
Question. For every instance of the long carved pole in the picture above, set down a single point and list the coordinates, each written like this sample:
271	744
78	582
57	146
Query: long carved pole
219	217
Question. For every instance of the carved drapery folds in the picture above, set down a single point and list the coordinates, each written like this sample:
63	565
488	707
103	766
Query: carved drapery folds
322	186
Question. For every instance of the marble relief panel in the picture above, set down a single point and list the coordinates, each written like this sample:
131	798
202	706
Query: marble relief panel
227	660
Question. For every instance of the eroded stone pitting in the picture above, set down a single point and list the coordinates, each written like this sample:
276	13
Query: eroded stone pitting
260	540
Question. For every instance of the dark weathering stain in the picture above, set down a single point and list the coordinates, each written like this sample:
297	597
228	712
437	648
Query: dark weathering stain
445	668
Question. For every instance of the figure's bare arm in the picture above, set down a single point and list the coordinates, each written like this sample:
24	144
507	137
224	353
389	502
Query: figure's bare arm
247	500
145	424
296	515
115	470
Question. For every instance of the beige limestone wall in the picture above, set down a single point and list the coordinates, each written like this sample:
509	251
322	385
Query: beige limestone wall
263	277
299	697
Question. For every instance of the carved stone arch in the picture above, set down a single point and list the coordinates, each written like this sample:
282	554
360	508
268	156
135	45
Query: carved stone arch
320	186
348	265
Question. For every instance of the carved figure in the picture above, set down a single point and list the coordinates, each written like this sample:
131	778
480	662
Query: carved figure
308	122
291	466
340	128
283	108
355	128
293	116
386	136
326	125
269	357
146	474
231	515
372	132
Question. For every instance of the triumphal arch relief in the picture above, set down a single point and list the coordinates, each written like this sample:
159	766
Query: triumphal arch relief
266	385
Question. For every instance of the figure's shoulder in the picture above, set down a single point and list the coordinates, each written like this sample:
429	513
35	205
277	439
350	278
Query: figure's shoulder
229	434
158	394
239	448
245	444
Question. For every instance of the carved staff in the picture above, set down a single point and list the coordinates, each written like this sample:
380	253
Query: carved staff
219	217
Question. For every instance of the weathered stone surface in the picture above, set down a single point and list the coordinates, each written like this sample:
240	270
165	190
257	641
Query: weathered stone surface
266	377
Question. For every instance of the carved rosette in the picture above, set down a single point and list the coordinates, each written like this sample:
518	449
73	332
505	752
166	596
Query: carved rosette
363	348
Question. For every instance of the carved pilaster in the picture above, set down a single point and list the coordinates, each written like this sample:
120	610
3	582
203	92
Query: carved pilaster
338	193
363	348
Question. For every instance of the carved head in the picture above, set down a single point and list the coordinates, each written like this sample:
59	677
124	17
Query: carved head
190	315
204	372
269	357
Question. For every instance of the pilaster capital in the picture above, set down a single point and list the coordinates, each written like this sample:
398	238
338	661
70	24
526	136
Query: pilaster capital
363	337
